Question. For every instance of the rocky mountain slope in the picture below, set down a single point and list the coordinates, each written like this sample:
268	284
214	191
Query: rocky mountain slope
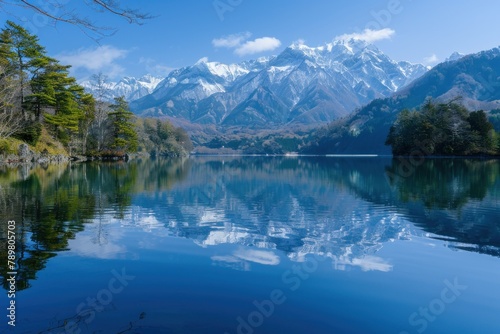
473	79
302	85
129	87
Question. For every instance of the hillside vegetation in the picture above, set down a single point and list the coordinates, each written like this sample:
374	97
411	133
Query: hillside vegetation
42	106
442	129
472	78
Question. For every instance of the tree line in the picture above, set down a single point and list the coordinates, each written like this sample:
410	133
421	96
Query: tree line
446	129
38	95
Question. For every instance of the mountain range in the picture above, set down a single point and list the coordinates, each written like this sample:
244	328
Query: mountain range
302	85
350	85
129	87
473	79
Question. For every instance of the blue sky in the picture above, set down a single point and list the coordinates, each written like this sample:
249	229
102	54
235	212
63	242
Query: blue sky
231	31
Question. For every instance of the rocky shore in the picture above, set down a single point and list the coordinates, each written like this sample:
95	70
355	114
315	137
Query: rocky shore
26	155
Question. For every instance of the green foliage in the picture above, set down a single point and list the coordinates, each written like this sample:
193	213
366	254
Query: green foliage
443	183
45	89
38	94
30	133
122	127
161	138
494	118
442	129
482	130
276	142
5	147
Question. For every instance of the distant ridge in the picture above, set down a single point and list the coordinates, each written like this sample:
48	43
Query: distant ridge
129	87
475	79
302	85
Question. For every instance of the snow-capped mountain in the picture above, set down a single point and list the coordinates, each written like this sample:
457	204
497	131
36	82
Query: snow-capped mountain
474	79
455	56
301	85
129	87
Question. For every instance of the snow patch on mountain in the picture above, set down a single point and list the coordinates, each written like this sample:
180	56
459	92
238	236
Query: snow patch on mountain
129	87
455	56
301	84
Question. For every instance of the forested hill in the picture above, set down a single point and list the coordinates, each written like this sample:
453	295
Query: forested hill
43	106
473	79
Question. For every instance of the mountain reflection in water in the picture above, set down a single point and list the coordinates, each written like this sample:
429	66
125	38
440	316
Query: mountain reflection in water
344	209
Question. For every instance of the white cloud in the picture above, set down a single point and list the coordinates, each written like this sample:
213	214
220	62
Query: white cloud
242	46
258	45
373	263
369	35
231	41
431	60
258	256
102	58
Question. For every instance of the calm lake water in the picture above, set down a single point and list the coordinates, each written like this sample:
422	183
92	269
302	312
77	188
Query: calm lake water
254	245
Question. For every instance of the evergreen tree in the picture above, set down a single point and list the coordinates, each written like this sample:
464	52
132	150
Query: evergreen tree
482	131
122	127
61	99
442	129
25	51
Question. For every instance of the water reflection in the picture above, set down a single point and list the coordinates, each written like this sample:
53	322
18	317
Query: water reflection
455	199
52	204
337	208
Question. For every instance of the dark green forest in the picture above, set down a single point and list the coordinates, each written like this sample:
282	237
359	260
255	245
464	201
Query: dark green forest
42	105
446	129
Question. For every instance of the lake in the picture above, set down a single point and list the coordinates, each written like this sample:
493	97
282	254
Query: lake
253	245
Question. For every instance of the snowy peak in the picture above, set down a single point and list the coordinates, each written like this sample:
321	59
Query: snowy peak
129	87
357	59
352	46
455	56
334	50
302	84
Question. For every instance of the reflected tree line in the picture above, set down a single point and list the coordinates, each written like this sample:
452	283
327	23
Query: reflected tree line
453	198
444	183
287	202
52	204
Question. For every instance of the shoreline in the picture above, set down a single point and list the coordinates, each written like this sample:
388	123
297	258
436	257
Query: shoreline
27	156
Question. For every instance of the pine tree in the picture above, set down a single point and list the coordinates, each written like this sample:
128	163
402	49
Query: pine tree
125	137
58	95
482	130
44	88
24	52
442	129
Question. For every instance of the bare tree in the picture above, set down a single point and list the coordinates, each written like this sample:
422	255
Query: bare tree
100	90
60	11
11	119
